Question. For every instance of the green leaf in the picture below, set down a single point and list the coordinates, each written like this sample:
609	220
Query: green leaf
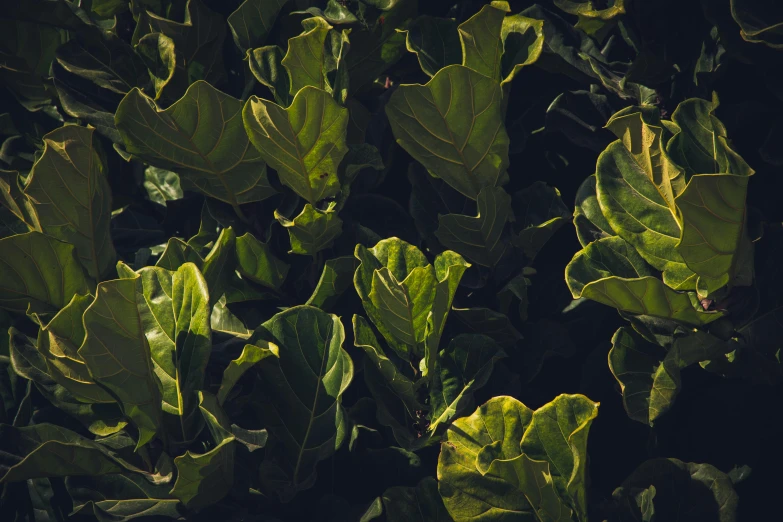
649	377
435	41
336	278
399	289
312	230
639	213
462	368
251	354
257	263
177	253
162	185
712	206
506	459
478	238
301	391
205	478
304	143
39	273
453	126
116	351
305	58
219	265
482	46
58	343
201	138
605	258
121	497
706	491
198	40
251	23
46	450
175	318
421	503
71	196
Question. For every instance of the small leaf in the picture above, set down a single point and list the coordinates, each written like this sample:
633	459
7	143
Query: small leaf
257	263
304	143
312	230
266	65
162	185
541	212
336	278
251	354
523	42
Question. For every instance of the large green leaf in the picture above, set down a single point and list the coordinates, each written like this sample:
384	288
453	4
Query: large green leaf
453	125
39	273
478	238
205	478
482	46
70	193
116	352
435	41
198	40
507	460
312	230
201	138
121	497
251	23
46	450
301	391
303	143
683	491
175	314
649	376
608	257
712	206
639	213
462	368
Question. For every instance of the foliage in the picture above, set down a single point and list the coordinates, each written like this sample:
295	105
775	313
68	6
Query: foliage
282	260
